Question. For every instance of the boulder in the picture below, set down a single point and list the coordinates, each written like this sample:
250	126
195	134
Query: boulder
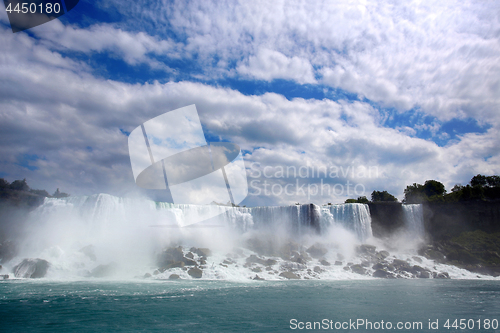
326	263
174	277
365	263
4	276
31	268
358	269
290	276
300	258
400	264
378	266
442	275
258	278
318	269
195	272
317	251
147	275
424	275
381	255
366	249
337	263
417	259
202	252
189	262
380	273
190	255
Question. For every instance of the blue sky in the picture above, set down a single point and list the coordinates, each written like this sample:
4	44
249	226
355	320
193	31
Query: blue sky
411	90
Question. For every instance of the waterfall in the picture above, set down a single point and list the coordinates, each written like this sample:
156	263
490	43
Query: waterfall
104	211
354	217
414	219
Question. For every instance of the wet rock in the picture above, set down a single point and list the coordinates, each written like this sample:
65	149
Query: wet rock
290	276
4	276
270	262
417	259
347	268
442	275
256	269
104	270
430	252
380	273
424	275
300	258
358	269
31	268
365	263
176	264
189	262
156	272
318	269
338	263
147	275
292	266
195	272
381	255
202	262
366	249
400	264
379	266
325	263
190	255
258	278
202	252
317	251
175	277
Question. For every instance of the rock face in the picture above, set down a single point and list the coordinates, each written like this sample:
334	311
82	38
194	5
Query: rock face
31	268
290	276
195	272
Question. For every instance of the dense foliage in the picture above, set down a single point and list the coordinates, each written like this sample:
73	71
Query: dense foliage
480	187
22	185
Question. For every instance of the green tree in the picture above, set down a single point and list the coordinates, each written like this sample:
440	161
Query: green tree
4	183
363	200
58	194
433	188
19	185
383	196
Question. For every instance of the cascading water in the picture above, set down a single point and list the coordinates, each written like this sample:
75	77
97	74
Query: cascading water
102	235
354	217
414	220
